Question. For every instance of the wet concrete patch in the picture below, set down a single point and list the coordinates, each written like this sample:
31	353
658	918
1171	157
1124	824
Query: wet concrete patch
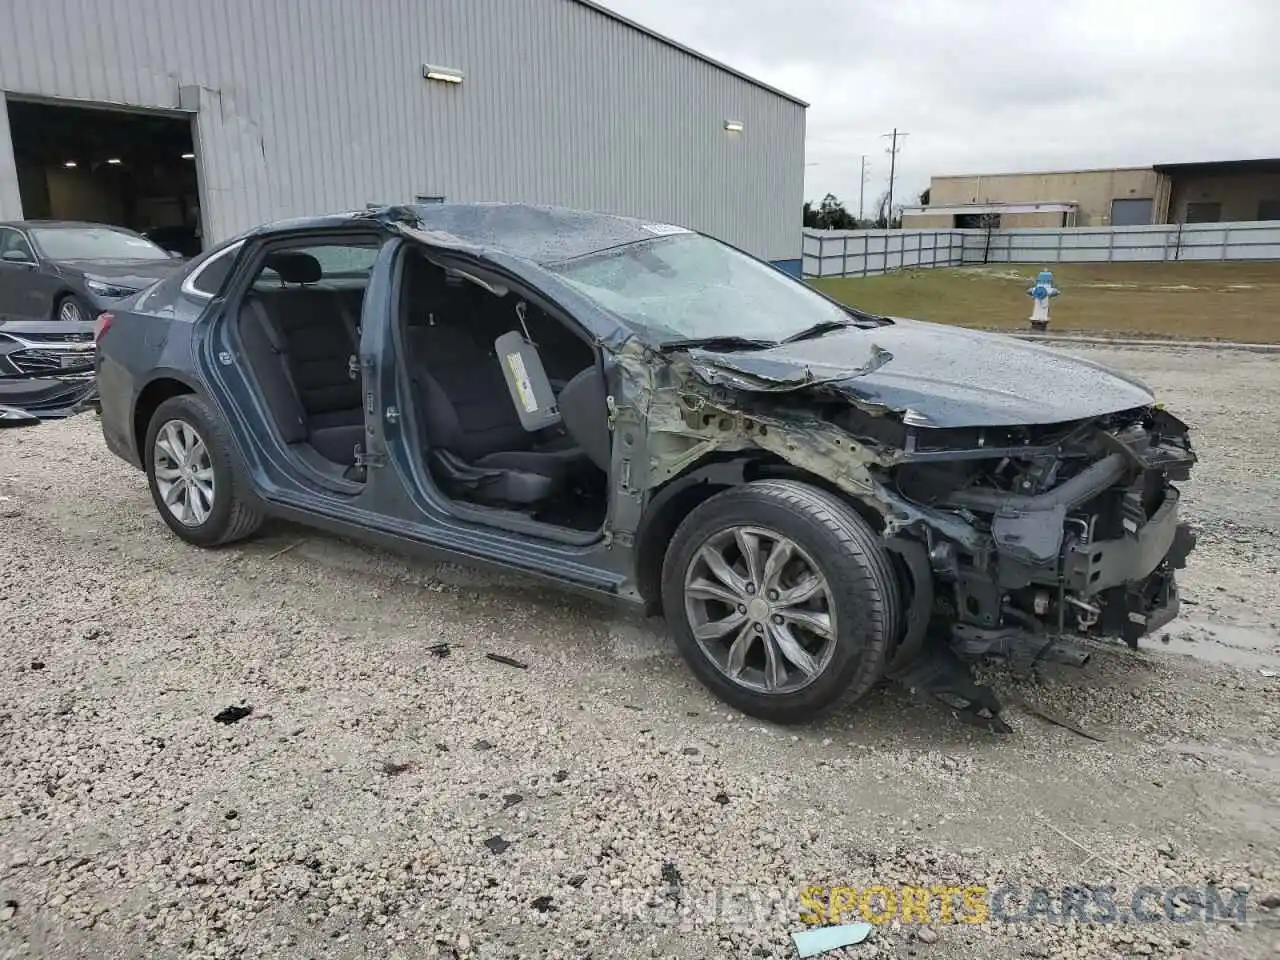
1223	643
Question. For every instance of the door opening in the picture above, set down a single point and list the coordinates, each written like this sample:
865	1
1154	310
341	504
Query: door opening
509	403
120	167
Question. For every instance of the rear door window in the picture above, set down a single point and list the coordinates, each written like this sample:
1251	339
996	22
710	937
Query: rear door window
343	265
344	262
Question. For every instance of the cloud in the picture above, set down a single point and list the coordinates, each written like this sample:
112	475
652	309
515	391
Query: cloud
989	86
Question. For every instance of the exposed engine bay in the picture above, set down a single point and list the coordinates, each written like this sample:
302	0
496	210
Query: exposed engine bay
1071	527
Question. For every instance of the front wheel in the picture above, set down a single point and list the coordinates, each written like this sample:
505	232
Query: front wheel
71	309
781	598
189	470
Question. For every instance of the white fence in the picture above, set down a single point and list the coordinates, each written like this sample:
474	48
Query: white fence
861	253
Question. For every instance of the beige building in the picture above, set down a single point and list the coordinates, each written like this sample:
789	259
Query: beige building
1122	196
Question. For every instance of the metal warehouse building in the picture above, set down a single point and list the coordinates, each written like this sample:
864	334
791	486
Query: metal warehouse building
196	119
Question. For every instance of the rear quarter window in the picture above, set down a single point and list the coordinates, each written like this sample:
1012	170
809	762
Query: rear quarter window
210	277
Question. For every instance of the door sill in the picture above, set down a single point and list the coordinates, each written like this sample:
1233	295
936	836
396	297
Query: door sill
515	522
320	470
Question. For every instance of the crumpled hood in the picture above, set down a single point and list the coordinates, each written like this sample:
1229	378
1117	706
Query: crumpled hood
134	274
934	375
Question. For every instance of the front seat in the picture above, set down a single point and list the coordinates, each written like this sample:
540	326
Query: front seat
477	444
584	410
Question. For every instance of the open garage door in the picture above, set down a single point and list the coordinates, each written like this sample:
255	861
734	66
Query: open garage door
122	167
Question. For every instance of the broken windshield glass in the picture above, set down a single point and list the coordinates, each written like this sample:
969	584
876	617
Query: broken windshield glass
691	287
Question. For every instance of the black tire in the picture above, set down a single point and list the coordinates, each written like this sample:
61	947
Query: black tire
81	307
235	514
863	587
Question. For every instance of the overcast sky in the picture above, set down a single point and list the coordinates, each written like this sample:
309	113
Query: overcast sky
986	86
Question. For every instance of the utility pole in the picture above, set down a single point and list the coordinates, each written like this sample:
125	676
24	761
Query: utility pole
862	183
893	157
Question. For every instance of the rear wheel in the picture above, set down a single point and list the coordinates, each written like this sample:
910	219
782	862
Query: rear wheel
781	599
189	470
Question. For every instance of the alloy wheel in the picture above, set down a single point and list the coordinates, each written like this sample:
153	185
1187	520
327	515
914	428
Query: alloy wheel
70	312
760	609
184	473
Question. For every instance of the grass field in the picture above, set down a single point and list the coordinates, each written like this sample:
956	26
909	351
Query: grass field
1222	301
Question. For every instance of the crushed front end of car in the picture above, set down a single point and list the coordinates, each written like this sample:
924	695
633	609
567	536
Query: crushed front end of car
1026	501
1076	525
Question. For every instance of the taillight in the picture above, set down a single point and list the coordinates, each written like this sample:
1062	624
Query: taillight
102	325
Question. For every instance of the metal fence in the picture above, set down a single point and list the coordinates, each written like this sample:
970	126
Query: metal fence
861	253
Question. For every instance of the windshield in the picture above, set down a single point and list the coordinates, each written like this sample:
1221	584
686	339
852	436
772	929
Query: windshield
95	243
690	287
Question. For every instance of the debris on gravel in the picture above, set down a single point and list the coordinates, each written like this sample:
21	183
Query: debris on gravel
231	715
509	661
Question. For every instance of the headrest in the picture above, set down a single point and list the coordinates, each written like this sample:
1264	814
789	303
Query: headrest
295	267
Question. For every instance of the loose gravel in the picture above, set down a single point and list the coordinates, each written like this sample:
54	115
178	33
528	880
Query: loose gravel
255	753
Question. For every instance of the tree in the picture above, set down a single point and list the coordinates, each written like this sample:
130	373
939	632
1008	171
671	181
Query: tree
882	211
829	215
883	220
834	215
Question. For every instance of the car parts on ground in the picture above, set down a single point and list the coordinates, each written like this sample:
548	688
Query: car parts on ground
46	368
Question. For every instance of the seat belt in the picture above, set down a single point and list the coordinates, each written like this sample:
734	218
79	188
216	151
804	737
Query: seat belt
353	328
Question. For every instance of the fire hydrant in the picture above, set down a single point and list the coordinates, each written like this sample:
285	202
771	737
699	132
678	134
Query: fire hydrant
1041	292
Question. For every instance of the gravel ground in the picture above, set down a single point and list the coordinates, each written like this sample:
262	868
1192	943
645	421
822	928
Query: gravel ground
395	793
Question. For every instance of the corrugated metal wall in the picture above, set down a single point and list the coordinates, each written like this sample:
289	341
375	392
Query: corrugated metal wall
318	105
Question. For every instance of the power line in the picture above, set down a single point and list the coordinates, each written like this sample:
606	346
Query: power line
893	158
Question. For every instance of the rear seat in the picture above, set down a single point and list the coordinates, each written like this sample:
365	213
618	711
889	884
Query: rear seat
300	340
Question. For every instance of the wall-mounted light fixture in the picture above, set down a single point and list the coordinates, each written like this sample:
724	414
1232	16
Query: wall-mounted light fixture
70	164
733	126
114	161
443	74
188	156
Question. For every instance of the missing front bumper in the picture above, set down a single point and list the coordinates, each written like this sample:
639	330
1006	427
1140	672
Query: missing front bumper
1133	610
1127	611
1092	568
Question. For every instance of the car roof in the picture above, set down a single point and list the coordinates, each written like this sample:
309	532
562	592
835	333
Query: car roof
541	234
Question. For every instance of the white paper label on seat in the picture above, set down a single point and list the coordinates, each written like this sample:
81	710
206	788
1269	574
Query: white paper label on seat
520	377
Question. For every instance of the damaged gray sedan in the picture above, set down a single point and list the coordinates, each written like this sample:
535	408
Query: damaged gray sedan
816	499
